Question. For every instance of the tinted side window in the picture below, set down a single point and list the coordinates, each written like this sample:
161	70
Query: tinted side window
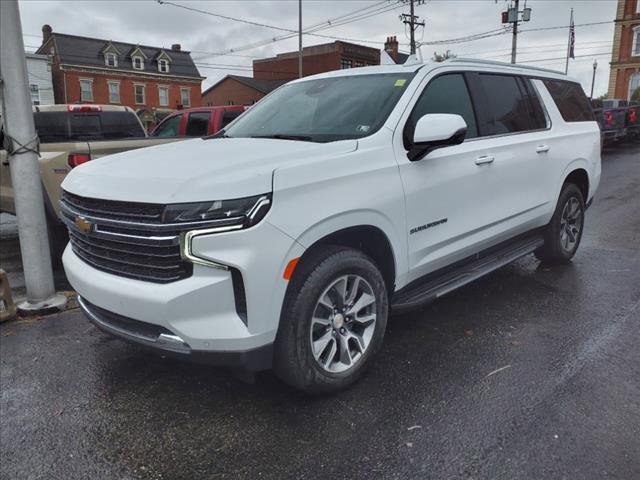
228	117
572	102
198	124
537	117
444	94
509	103
169	128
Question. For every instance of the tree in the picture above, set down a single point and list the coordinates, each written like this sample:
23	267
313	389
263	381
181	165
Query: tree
441	57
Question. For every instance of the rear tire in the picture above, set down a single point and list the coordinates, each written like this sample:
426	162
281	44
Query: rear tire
333	320
563	233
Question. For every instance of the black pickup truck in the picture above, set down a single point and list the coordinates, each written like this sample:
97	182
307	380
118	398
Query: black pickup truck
618	119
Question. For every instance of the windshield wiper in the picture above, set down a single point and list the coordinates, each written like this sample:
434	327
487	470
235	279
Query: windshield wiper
279	136
219	134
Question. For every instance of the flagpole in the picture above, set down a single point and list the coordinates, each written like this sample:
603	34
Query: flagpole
566	65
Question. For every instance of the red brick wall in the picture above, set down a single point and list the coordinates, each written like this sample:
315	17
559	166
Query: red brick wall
127	95
316	59
231	90
287	68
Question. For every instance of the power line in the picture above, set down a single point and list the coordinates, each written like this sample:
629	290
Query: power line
566	26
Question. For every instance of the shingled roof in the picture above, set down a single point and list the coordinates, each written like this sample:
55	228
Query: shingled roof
86	51
263	86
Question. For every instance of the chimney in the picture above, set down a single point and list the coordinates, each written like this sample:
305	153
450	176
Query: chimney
46	33
391	47
176	47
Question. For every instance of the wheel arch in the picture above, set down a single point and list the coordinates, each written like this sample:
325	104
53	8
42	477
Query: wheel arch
580	178
369	239
577	172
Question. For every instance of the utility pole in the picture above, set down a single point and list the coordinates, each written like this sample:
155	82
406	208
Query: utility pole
593	79
514	38
25	169
412	21
514	15
299	38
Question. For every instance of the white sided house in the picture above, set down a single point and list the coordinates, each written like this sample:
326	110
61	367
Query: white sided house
40	84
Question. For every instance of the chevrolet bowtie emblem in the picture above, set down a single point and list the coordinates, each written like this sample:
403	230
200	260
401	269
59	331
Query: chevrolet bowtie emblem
83	224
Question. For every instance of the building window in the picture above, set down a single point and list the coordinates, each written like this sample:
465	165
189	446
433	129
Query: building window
114	92
344	63
139	93
138	63
111	60
634	84
635	47
35	94
163	65
163	96
185	100
358	64
86	90
230	102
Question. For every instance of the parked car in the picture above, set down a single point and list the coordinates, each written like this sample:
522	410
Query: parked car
197	122
618	119
69	136
285	240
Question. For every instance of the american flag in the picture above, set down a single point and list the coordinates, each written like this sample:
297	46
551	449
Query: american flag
572	38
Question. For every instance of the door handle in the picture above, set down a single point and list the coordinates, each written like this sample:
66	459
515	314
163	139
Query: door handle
484	160
542	148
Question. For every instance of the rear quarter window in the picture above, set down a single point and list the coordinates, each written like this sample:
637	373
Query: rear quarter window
573	104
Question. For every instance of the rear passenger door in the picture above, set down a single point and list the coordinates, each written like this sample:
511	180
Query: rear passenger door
198	124
515	134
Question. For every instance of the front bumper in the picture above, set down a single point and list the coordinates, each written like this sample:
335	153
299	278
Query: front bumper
199	315
165	342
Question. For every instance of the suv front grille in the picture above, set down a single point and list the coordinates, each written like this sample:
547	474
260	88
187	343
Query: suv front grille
125	239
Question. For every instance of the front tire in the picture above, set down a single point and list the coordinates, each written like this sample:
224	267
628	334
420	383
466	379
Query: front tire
333	320
563	233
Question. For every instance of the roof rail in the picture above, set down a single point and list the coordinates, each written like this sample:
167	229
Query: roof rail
502	64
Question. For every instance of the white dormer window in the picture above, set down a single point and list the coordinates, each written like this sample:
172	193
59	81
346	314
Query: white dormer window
138	63
163	65
111	60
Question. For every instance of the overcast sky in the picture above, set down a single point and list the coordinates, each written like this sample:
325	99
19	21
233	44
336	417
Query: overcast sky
147	22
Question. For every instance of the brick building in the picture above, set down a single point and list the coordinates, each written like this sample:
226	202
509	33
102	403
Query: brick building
91	70
315	59
238	90
624	78
270	73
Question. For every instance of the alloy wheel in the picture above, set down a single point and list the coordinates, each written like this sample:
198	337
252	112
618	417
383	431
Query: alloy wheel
343	323
570	224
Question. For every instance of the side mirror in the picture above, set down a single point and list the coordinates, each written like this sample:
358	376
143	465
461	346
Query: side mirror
436	130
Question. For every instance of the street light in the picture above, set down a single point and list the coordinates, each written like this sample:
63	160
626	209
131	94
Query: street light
593	79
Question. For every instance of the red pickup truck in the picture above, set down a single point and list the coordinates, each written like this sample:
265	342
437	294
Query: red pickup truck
197	122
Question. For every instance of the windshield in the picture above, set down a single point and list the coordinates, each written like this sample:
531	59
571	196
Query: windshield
324	110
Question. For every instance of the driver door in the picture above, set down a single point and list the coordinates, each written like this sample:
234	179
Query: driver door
448	191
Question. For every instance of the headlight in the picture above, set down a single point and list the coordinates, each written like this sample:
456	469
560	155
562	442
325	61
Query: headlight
245	211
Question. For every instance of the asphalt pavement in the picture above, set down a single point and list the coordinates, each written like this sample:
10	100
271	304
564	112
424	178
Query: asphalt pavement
531	372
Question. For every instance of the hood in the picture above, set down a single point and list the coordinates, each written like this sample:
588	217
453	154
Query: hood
195	170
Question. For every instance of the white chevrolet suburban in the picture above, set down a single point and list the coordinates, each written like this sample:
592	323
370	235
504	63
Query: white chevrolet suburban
285	240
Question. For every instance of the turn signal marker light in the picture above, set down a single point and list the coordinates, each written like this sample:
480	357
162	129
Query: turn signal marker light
291	266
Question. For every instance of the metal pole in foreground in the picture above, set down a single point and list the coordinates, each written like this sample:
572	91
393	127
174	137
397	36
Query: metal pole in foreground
299	38
24	166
